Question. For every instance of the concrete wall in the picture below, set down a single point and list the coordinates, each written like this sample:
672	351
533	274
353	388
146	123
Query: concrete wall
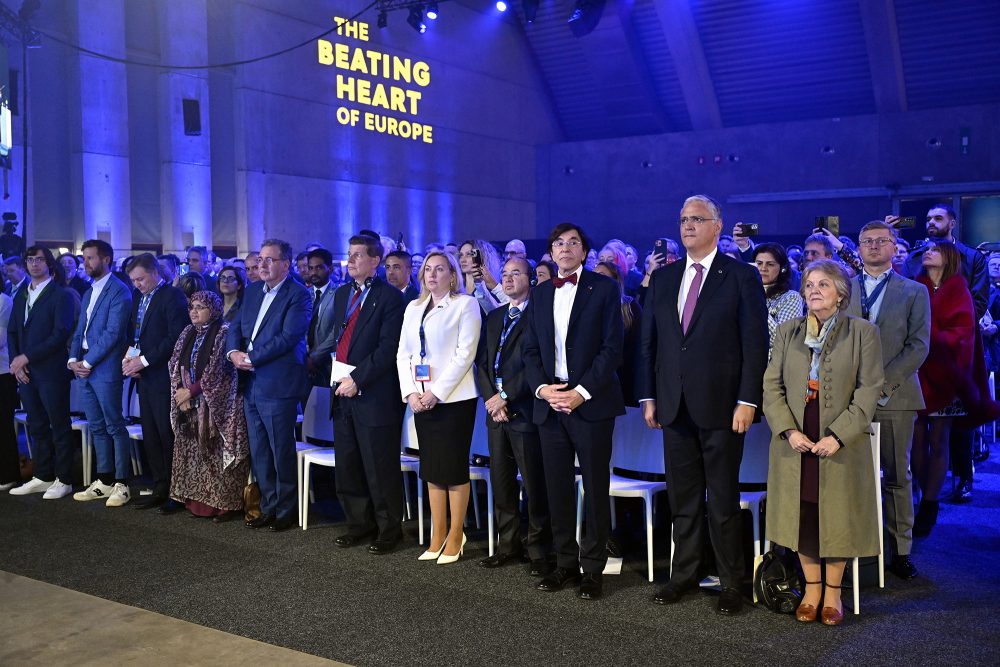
782	178
272	159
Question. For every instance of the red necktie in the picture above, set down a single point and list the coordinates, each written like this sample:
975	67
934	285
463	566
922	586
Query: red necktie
345	339
559	282
692	297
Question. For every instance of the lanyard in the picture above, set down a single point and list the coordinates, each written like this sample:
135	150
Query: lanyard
507	328
868	301
352	306
423	338
141	313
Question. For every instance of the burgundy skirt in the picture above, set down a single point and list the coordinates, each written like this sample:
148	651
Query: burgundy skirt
809	490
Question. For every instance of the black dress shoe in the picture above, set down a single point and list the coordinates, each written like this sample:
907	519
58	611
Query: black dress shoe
352	539
902	567
263	521
672	592
591	586
170	507
149	502
730	602
279	525
499	560
559	578
383	547
541	567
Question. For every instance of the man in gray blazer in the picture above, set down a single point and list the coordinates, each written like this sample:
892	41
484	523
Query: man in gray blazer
901	309
321	289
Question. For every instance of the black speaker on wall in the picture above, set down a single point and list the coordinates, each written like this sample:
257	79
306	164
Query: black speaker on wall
192	118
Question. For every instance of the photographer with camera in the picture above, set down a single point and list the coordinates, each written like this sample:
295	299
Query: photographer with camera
480	264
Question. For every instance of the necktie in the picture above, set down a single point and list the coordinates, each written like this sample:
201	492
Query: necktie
515	312
344	343
311	338
143	304
692	297
559	282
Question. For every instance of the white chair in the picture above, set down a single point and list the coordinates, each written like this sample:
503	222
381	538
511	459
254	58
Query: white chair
317	434
638	448
21	421
409	463
876	443
753	471
480	447
130	405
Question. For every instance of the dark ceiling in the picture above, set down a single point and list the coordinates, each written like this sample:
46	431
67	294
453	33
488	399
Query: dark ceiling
654	66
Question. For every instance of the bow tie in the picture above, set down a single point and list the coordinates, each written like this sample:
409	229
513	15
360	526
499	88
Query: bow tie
559	282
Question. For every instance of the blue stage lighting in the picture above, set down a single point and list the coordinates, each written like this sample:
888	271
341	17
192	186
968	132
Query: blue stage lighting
432	11
501	6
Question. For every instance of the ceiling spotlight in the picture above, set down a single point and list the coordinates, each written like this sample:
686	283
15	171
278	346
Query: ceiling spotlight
416	20
383	19
432	11
585	17
530	10
501	6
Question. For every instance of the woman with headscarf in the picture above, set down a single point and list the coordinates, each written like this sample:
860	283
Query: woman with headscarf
211	452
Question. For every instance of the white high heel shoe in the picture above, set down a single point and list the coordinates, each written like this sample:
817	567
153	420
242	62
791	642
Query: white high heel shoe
444	559
432	555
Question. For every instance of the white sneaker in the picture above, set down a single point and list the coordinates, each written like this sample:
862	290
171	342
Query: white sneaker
119	496
7	486
96	491
57	490
34	486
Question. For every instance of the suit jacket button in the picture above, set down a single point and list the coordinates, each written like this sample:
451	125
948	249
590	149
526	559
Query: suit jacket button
683	349
828	405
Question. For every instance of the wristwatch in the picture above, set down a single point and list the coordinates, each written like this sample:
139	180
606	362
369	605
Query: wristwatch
503	394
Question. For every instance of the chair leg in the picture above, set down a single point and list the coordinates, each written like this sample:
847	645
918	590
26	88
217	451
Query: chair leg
298	477
670	566
857	586
420	511
475	502
304	501
85	457
489	514
579	511
614	518
406	498
648	499
755	516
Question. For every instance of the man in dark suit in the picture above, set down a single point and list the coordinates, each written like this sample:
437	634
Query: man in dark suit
319	263
267	341
159	314
941	223
366	407
572	350
398	267
17	279
40	324
704	339
512	435
901	308
199	260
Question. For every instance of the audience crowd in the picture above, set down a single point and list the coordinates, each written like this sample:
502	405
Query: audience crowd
704	336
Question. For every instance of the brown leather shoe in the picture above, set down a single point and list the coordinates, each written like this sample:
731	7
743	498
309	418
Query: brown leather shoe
806	613
831	616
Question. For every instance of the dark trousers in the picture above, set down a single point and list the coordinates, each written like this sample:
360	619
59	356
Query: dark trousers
271	432
510	451
368	476
698	460
47	407
960	442
897	481
10	465
565	437
157	435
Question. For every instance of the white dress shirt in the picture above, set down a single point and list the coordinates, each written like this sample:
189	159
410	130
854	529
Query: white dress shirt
871	284
562	308
689	273
33	292
265	304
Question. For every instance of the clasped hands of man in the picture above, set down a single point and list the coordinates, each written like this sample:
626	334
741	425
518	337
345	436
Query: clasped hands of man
742	416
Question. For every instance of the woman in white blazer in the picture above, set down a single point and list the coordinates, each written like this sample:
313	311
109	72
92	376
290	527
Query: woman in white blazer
437	347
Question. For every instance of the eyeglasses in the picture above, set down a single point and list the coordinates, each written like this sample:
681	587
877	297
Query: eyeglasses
197	309
34	260
882	242
268	260
696	219
515	274
357	256
572	243
228	279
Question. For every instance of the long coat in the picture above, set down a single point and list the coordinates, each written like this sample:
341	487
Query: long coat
852	377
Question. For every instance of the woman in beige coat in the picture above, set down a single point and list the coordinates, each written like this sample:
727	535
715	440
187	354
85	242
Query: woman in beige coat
820	391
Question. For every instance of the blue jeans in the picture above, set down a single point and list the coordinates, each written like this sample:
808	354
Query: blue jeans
271	431
102	403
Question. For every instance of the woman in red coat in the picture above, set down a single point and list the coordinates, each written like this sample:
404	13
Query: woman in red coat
946	378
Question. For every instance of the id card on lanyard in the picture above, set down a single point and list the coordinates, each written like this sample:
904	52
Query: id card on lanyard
868	300
422	371
507	328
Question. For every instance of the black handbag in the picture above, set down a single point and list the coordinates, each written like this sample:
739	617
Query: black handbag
777	583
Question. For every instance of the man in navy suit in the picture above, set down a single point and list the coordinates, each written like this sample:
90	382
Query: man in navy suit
572	350
398	267
267	341
96	353
40	324
366	405
704	339
159	314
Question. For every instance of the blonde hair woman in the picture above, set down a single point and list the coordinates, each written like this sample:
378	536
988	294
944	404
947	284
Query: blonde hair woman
437	347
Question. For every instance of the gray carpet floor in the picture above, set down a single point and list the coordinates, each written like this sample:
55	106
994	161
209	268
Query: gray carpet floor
297	589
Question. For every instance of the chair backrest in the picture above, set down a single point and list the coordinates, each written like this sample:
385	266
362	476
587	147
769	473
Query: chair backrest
635	446
316	422
756	448
130	400
409	439
480	443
